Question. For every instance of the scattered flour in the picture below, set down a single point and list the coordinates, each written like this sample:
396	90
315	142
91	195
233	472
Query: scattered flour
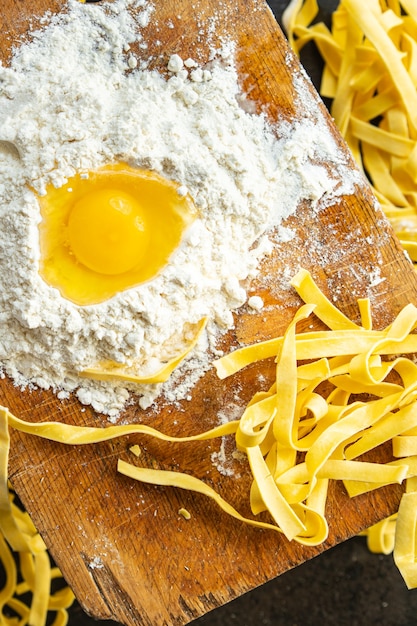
75	98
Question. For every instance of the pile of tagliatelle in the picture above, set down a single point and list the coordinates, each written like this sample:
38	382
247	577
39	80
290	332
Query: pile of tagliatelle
331	431
370	75
27	596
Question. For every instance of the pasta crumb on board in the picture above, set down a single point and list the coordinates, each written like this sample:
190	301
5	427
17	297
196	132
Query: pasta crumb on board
135	450
184	513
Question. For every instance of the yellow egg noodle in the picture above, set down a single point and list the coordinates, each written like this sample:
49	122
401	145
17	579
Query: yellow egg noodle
370	75
109	370
295	439
381	536
27	596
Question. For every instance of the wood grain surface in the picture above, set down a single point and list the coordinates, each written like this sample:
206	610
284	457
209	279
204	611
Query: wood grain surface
122	546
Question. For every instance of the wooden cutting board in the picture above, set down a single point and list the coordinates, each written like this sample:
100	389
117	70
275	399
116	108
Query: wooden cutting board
122	546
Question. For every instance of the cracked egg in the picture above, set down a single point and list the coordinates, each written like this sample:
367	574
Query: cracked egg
110	230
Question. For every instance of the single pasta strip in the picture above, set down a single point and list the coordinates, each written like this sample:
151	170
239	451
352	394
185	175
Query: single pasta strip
351	385
382	139
384	430
317	528
185	481
109	370
384	182
255	423
305	13
377	105
356	487
286	382
9	565
405	549
282	513
311	371
346	470
19	541
83	435
404	445
310	293
41	587
343	96
309	346
364	307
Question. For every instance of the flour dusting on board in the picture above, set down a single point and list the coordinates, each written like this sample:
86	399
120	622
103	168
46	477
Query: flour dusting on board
75	98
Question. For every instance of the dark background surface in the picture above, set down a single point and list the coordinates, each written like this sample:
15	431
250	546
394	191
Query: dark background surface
345	586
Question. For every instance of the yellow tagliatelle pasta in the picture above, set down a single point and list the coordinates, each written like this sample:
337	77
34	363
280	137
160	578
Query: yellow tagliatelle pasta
27	596
293	417
296	438
370	75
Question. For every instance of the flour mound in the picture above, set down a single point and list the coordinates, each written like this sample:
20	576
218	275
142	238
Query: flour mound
75	98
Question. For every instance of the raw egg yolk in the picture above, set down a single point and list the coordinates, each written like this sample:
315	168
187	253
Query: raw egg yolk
109	231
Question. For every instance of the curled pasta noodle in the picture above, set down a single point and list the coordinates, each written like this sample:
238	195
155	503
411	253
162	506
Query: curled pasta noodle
381	536
109	370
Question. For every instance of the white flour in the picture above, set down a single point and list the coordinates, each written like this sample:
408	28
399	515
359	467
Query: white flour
76	98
